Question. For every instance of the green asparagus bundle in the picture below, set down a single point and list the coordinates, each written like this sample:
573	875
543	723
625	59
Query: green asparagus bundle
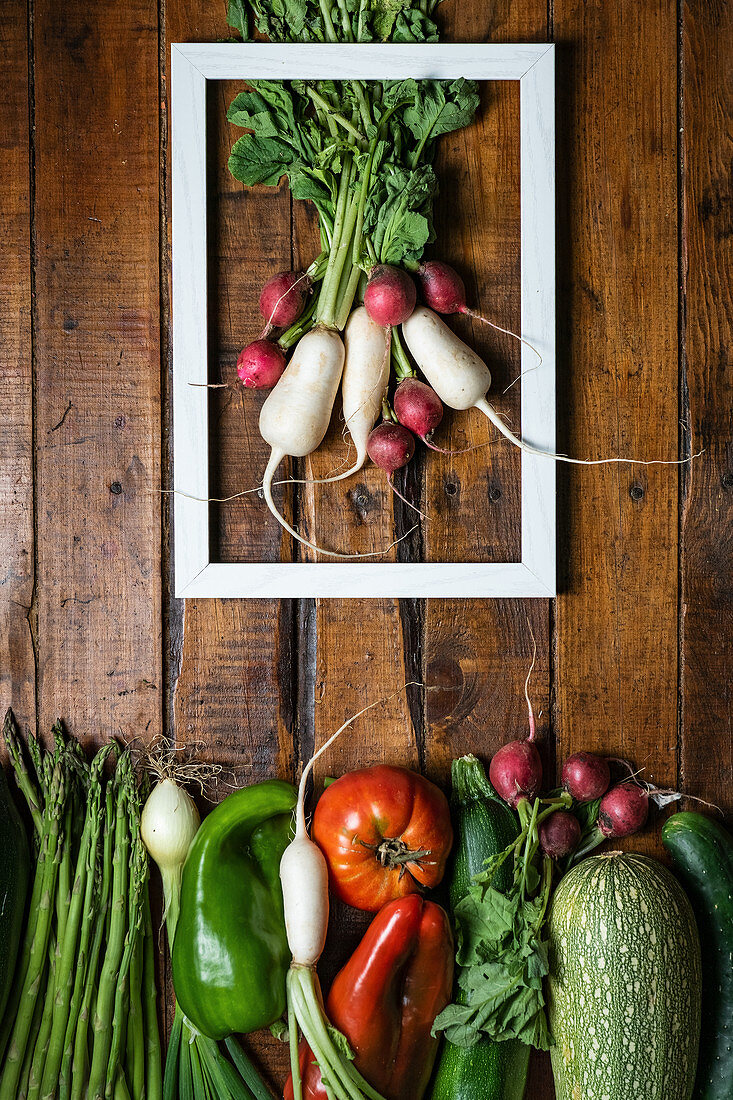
81	1019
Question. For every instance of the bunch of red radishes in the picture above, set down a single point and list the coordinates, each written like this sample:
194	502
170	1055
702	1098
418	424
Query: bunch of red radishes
390	299
608	811
295	416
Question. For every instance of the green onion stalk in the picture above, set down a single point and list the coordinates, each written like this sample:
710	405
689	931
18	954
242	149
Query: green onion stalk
195	1066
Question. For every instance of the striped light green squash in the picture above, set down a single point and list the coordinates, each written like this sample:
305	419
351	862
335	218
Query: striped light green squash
624	986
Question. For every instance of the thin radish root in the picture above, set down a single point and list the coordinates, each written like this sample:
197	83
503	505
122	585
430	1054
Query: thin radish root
445	292
532	724
275	459
409	503
461	379
488	410
349	721
507	332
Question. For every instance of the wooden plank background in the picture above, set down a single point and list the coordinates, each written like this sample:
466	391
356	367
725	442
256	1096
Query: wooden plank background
633	656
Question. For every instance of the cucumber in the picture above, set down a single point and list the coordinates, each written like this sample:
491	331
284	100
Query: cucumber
624	984
702	851
14	874
483	826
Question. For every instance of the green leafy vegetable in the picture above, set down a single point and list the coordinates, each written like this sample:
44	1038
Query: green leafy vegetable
361	152
502	949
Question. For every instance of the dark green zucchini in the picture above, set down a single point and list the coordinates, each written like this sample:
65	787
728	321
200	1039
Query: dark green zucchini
483	826
14	872
702	851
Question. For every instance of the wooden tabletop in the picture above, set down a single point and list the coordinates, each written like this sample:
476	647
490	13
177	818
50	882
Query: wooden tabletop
634	656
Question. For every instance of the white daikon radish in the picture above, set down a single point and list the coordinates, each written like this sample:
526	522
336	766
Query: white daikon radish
461	380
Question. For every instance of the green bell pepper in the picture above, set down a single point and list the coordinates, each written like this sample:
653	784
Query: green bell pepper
230	955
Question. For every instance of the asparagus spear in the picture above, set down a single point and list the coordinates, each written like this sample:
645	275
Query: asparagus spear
40	1047
35	1028
26	785
101	1026
63	898
153	1060
138	870
35	801
80	1058
69	952
48	870
135	1052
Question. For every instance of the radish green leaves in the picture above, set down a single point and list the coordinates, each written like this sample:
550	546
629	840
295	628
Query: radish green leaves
361	151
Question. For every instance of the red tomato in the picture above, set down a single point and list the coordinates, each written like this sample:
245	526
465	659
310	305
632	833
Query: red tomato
385	833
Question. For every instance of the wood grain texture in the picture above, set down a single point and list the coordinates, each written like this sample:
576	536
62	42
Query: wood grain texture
233	686
17	660
97	355
707	502
616	620
478	652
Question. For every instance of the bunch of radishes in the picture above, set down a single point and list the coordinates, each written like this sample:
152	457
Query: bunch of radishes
295	416
608	811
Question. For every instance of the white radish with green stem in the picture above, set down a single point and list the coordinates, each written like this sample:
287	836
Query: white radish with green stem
461	379
364	383
295	417
304	879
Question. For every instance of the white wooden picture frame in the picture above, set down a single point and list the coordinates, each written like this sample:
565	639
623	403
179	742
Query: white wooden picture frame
196	575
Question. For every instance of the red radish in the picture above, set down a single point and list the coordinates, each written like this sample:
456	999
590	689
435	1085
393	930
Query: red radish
442	288
261	364
516	769
560	834
623	810
417	407
390	295
586	776
444	291
283	298
390	446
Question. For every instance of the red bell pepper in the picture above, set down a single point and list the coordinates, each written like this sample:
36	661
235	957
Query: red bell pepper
386	997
